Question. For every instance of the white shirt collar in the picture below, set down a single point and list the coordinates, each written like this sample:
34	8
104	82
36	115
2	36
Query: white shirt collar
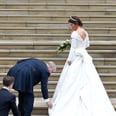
6	88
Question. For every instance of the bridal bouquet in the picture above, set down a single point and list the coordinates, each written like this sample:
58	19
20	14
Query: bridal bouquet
63	45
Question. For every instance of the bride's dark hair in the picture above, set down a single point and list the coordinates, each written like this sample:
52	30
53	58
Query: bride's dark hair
75	20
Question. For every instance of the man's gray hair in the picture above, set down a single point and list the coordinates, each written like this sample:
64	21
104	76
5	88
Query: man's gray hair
52	64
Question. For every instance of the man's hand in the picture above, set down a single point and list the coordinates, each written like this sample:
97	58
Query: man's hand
49	104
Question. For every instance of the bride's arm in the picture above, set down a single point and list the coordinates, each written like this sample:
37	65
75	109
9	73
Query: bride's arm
71	55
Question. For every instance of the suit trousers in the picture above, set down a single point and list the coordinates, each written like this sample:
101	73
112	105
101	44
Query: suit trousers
25	104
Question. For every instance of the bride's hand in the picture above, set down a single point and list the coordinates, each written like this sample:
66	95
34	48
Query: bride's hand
69	62
49	104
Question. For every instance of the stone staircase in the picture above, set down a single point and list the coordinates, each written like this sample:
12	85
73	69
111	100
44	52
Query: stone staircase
34	28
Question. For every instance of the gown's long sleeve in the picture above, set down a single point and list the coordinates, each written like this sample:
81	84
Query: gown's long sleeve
77	42
71	55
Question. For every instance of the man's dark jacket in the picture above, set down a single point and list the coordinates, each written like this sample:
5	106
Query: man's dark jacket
29	72
7	103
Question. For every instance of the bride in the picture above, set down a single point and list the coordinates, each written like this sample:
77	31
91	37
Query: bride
79	91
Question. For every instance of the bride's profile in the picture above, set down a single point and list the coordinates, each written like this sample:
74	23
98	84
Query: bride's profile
79	91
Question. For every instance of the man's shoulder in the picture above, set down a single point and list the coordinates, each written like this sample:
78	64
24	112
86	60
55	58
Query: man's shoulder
30	59
6	92
3	90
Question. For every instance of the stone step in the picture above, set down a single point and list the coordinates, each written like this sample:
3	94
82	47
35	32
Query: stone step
97	61
55	37
52	53
113	101
102	45
59	11
82	6
72	1
54	77
37	92
103	76
94	53
56	17
53	24
40	103
109	85
34	44
60	1
14	1
52	30
40	108
106	69
100	68
109	81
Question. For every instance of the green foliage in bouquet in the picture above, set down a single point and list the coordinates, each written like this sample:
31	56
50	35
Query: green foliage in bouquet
64	45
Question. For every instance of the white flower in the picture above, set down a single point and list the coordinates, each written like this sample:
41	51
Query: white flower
64	45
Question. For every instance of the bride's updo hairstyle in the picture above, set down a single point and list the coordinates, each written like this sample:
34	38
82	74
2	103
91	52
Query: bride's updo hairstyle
76	20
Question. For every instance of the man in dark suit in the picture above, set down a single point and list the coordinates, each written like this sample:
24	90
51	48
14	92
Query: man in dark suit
27	73
7	99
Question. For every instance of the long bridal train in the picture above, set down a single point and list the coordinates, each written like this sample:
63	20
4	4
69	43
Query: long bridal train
79	91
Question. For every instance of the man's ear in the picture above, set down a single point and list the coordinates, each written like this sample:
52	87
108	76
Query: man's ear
10	87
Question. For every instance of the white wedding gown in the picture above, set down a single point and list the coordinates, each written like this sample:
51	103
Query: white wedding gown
79	91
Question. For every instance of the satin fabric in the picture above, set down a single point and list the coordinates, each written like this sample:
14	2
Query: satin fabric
80	91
